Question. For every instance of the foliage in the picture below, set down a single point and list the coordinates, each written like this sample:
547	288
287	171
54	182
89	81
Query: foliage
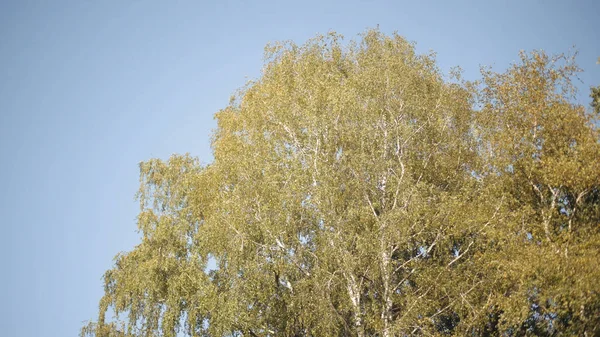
595	96
356	191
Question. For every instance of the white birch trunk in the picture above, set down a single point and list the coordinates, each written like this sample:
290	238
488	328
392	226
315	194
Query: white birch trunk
354	294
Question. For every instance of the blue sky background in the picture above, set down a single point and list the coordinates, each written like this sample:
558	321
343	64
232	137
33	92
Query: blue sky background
89	88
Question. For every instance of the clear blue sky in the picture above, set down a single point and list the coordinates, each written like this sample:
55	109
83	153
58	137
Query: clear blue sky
89	88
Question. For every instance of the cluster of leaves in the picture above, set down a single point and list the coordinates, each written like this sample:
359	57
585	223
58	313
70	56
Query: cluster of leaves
356	191
595	95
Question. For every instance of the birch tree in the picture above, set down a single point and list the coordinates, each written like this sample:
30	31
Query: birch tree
356	190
